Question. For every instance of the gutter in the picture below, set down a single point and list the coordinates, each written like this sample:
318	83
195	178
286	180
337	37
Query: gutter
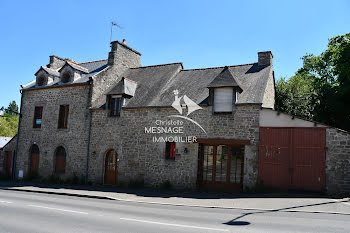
14	160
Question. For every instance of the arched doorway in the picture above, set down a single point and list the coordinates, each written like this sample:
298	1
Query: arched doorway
111	167
34	160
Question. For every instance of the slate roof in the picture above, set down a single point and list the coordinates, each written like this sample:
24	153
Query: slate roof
89	69
151	81
49	71
157	83
225	79
124	86
94	66
75	66
4	141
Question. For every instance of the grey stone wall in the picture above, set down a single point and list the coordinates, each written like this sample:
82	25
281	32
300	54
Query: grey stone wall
269	95
56	62
49	137
120	59
337	161
139	156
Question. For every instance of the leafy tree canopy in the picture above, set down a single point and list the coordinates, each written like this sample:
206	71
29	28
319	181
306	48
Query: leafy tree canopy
320	90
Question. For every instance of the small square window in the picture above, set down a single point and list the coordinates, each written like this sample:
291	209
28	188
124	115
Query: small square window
170	150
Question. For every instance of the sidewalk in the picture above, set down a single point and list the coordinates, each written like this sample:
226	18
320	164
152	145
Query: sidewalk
264	202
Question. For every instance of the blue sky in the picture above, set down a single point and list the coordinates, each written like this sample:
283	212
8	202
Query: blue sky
197	33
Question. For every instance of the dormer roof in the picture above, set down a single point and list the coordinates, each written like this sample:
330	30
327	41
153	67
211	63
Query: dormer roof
74	66
124	87
48	71
225	79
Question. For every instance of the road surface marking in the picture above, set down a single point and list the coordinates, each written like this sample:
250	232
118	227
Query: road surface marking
172	224
50	208
7	202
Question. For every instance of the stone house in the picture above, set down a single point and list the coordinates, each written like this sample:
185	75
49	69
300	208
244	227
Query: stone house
115	121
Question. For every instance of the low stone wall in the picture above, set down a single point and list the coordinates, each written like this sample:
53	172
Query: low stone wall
337	161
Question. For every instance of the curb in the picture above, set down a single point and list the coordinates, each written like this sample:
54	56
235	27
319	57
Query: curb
169	204
59	193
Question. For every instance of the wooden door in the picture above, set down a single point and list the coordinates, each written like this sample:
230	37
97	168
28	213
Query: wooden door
110	176
292	158
34	163
8	162
34	160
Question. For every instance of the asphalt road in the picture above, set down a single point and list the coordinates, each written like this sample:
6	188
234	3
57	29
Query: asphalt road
34	212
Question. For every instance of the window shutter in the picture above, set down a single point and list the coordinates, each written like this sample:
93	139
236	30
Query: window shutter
170	150
223	98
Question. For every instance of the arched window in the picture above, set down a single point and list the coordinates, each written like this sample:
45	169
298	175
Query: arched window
66	77
34	159
60	158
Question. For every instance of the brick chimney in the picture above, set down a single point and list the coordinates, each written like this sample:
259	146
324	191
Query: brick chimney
265	58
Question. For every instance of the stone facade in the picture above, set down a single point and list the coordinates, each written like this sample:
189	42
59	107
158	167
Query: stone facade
146	158
337	161
74	139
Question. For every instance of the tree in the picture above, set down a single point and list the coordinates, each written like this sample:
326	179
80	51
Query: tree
320	90
12	109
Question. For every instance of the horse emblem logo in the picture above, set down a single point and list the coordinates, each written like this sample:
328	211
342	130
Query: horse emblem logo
189	104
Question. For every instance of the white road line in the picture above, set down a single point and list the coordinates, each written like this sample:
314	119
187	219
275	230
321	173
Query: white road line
172	224
50	208
7	202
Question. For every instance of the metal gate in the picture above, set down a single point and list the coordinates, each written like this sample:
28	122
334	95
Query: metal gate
292	158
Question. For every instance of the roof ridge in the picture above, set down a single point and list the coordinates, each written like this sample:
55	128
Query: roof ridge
158	65
76	64
92	61
45	67
220	67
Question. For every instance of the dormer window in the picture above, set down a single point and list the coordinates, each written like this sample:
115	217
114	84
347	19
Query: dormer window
223	91
66	77
115	105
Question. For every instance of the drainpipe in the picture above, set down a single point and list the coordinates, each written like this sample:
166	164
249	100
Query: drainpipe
14	160
89	132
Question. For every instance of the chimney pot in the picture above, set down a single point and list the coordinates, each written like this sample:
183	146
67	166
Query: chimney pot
124	41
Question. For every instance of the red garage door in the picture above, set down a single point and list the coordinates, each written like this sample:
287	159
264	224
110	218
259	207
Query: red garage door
292	158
